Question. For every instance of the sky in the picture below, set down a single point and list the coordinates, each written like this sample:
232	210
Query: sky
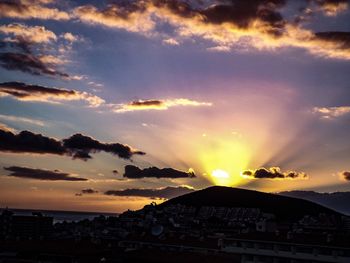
110	105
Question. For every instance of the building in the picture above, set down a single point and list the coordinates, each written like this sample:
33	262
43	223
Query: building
36	226
282	252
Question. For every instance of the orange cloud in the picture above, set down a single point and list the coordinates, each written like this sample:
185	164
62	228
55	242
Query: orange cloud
32	34
158	104
333	8
331	112
255	24
27	9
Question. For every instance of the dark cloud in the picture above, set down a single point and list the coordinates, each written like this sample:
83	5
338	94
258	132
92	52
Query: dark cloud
40	174
135	172
18	44
140	103
340	38
23	90
166	192
33	50
28	142
28	92
25	51
79	143
28	63
89	191
78	146
243	13
346	175
82	155
237	12
273	173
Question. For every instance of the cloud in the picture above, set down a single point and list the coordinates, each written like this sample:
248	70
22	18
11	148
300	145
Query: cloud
78	146
331	112
171	42
340	38
4	127
28	142
89	191
34	34
35	50
273	173
164	193
79	143
234	25
135	172
70	37
22	119
57	60
41	174
158	104
31	9
28	63
122	17
26	92
345	175
219	49
333	7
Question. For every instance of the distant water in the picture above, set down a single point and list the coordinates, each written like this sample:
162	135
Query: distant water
60	216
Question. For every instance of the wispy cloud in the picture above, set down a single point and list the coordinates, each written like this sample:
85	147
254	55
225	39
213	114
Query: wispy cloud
34	34
28	9
139	105
22	119
27	92
171	42
6	128
331	112
333	7
219	49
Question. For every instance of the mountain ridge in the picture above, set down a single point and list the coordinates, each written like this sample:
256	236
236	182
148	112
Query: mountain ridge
338	201
283	207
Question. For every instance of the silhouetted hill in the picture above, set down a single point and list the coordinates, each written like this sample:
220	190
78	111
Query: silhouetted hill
282	206
339	201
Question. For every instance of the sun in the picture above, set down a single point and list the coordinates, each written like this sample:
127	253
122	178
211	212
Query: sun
218	173
221	177
223	160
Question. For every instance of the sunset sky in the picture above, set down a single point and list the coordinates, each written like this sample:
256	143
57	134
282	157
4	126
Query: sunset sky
252	94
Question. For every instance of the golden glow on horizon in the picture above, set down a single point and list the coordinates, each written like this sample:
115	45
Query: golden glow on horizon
224	160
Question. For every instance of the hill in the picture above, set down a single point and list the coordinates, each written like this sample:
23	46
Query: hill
338	201
285	208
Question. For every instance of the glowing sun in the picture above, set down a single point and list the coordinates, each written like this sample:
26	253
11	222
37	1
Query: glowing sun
220	173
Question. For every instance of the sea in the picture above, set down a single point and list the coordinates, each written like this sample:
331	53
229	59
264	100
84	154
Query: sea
60	216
